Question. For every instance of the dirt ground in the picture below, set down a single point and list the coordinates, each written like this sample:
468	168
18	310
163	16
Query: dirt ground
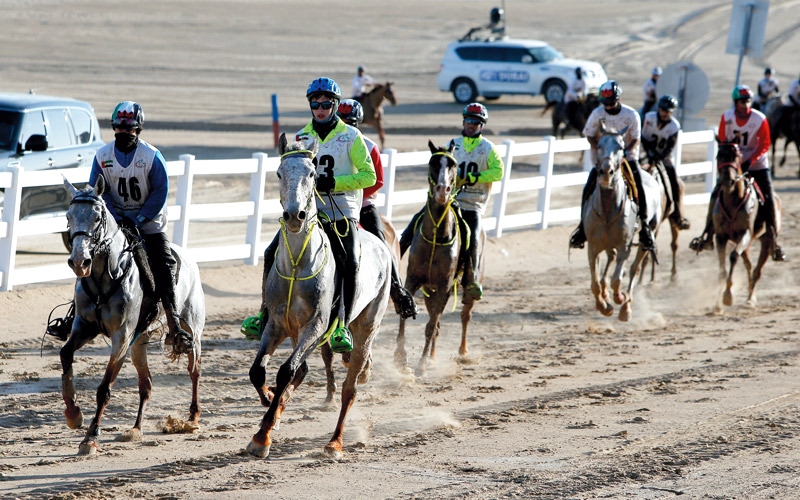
555	400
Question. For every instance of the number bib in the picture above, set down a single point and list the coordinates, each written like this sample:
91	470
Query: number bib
473	197
651	132
746	135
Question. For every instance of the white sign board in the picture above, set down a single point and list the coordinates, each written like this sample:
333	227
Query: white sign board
748	24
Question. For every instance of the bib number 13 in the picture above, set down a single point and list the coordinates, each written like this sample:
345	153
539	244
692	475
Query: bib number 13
129	188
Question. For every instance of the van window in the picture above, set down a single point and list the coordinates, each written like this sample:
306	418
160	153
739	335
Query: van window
59	134
82	123
546	53
32	124
9	121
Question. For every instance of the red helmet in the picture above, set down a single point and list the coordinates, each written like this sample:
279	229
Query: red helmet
351	112
610	92
476	110
741	92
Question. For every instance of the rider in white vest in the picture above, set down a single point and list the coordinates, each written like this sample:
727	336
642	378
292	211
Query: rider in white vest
659	135
649	90
137	184
615	116
361	83
750	130
344	170
767	89
576	92
479	165
351	112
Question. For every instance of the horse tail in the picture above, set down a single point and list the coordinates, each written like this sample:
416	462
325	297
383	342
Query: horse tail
549	107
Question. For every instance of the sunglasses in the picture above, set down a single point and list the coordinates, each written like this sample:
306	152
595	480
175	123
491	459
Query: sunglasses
324	105
472	120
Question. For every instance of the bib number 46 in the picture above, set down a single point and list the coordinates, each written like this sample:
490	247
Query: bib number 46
129	188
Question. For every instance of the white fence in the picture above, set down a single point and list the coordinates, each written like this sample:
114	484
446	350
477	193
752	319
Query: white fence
257	208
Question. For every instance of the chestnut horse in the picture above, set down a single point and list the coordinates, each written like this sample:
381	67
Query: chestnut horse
372	102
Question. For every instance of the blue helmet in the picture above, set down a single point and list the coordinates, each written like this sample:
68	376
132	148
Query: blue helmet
127	114
324	86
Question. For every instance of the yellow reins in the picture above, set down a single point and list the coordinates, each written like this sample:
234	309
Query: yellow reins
296	262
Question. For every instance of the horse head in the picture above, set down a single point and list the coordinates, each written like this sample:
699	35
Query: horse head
729	161
611	150
442	170
389	93
87	224
297	176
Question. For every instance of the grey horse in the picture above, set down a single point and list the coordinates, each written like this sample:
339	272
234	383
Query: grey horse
109	300
610	220
299	294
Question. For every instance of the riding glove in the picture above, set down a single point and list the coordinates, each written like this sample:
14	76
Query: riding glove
325	183
472	179
141	220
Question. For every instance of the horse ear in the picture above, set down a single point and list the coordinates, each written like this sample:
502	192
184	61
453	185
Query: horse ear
451	147
282	144
433	148
100	185
72	190
314	147
622	132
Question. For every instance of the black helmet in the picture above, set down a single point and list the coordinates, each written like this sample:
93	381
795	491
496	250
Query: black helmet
667	103
127	114
578	72
351	112
768	71
476	110
610	92
496	15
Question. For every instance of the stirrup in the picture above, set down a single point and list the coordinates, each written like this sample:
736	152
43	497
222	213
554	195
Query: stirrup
682	222
474	291
251	327
60	328
704	242
778	254
577	239
181	340
342	339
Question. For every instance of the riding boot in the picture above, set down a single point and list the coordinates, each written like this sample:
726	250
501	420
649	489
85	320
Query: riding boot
677	212
763	180
253	326
407	237
706	240
403	300
470	253
646	241
163	265
578	237
347	263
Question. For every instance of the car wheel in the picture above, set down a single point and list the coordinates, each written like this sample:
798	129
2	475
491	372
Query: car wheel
464	90
554	90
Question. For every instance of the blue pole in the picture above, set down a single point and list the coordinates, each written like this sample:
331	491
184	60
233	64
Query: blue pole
276	127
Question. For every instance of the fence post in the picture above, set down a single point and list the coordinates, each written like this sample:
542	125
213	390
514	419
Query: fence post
588	165
257	184
711	155
500	203
677	153
8	245
388	183
546	170
183	197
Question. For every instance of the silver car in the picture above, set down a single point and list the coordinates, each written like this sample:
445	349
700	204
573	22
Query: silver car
491	68
41	132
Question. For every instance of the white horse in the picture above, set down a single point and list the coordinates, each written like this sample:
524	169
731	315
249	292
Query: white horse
110	299
299	293
610	219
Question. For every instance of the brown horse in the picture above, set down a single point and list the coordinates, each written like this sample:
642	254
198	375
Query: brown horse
372	102
433	257
737	220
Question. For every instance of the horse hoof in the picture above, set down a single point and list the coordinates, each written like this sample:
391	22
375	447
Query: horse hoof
258	450
75	420
727	299
420	372
751	303
130	436
333	451
277	424
625	313
87	448
619	298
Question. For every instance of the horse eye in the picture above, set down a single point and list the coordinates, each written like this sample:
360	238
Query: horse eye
279	175
311	175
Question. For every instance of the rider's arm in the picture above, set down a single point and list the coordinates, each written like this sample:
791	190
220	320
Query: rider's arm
763	142
159	187
96	172
495	170
722	133
365	177
375	155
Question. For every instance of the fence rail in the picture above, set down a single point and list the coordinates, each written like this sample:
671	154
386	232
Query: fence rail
256	209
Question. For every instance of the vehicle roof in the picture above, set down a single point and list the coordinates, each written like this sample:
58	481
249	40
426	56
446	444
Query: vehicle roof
21	102
504	42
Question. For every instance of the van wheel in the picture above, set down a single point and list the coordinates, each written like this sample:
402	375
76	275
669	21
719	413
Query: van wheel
464	90
553	90
66	242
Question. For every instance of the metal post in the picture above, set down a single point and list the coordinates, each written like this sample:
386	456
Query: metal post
501	200
747	19
257	183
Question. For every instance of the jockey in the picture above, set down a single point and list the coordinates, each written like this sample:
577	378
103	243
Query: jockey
479	165
659	134
137	184
649	90
361	83
351	112
793	96
344	169
615	116
749	129
767	89
575	94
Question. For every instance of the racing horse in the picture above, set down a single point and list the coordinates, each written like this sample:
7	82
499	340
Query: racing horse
110	299
299	295
669	206
582	111
739	221
609	218
433	258
783	122
372	102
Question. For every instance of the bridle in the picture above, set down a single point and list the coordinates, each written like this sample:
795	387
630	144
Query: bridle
100	229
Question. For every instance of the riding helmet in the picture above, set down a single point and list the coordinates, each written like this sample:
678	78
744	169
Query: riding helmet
351	112
767	71
657	71
324	86
610	92
742	92
476	110
667	103
128	114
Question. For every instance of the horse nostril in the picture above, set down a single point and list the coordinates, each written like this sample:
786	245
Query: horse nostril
301	215
285	215
87	263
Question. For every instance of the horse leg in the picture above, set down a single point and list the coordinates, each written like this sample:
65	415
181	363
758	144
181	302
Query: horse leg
749	267
604	285
291	373
400	358
598	290
270	340
466	317
327	359
89	445
193	368
722	276
636	267
76	340
674	246
139	359
359	359
763	256
381	132
727	297
435	305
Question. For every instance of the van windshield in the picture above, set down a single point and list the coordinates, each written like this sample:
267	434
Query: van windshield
9	122
545	54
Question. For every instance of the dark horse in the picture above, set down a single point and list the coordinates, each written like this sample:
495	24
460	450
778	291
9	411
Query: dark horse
433	257
577	121
784	122
739	220
372	102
